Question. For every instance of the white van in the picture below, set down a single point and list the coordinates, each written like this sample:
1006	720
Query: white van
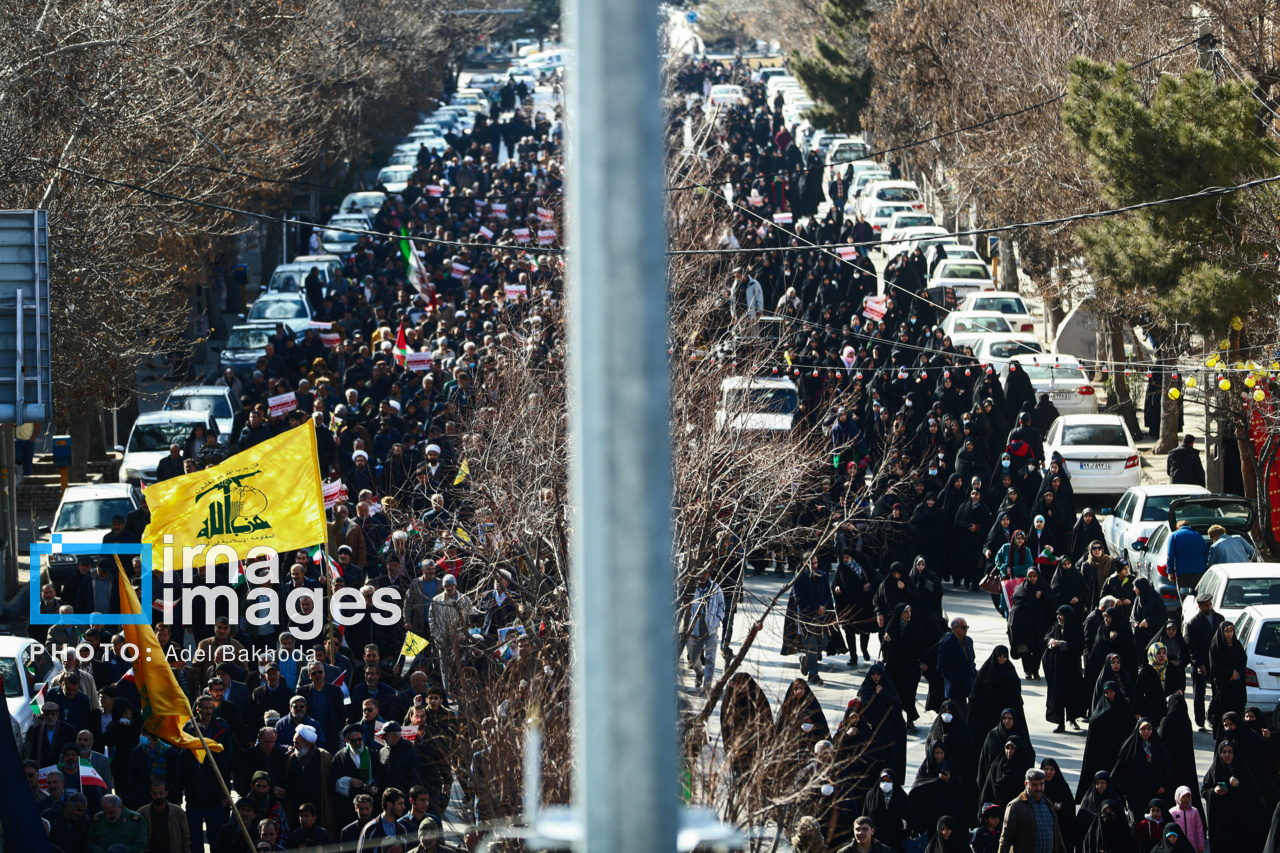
757	404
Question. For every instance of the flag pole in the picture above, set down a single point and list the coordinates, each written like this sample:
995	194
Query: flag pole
195	724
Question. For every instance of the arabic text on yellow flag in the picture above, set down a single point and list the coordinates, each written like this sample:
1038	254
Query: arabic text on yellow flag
269	495
413	644
165	709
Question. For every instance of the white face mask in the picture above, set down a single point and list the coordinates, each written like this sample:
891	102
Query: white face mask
946	718
887	787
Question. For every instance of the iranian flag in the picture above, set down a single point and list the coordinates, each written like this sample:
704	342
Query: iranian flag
402	346
89	777
415	270
323	560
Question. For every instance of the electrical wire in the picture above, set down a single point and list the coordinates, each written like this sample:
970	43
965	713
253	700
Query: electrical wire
990	120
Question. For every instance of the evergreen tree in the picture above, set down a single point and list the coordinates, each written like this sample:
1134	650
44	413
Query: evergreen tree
1192	134
837	75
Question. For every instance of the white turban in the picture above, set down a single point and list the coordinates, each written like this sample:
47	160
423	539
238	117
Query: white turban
360	453
431	447
306	732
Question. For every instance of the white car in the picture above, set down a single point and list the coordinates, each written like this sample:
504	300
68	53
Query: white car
725	95
879	216
964	327
1137	514
396	178
84	517
24	673
150	438
997	350
472	103
951	250
965	277
1233	587
905	220
1258	630
892	192
1008	304
291	309
368	203
339	242
761	405
214	399
766	73
1100	454
860	182
1059	376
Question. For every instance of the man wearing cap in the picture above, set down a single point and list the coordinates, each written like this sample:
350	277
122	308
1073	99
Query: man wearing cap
307	773
298	716
1198	634
268	805
265	756
355	770
398	761
271	695
46	740
353	575
202	662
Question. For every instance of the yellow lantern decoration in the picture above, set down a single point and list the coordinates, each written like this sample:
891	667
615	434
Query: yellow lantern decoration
1249	381
1174	393
1224	384
1259	395
1213	361
1237	323
1191	382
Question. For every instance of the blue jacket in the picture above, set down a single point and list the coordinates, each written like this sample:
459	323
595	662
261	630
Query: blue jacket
1188	554
957	664
812	591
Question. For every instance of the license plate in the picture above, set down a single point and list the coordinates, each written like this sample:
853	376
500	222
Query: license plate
1062	395
1094	466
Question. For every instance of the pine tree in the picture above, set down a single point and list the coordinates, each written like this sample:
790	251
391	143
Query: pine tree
837	73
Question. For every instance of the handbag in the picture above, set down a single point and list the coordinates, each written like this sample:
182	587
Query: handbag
917	844
991	583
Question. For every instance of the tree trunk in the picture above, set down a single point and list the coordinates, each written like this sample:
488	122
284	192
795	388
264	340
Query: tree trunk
1053	316
1123	403
1008	265
1170	414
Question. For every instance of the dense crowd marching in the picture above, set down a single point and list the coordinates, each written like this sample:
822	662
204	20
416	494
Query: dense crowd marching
334	736
939	475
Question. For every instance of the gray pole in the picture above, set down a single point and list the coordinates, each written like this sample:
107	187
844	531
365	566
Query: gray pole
620	479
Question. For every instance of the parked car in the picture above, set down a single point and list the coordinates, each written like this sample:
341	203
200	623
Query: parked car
904	221
342	242
757	404
487	82
292	277
214	399
1100	454
1059	376
396	178
1234	586
725	95
243	346
1258	630
965	276
964	327
1008	304
24	670
1138	513
998	350
879	216
368	203
150	438
84	517
1200	511
291	309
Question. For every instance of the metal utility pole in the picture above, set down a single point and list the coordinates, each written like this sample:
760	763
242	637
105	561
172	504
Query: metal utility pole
625	788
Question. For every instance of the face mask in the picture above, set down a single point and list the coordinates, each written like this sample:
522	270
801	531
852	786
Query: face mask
143	740
933	472
1004	463
946	718
887	787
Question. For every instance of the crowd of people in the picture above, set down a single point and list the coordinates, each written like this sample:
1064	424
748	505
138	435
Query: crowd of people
939	485
328	734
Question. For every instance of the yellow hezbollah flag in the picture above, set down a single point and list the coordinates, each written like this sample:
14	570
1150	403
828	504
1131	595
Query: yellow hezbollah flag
412	644
165	709
269	495
464	470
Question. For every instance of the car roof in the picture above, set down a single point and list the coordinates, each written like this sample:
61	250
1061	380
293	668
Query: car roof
1263	611
1247	570
172	416
1059	360
11	645
96	492
996	294
1091	419
1017	338
977	313
279	296
199	391
757	382
1170	489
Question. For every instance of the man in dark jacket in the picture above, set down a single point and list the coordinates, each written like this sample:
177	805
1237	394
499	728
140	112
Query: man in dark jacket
1183	464
324	702
45	740
398	764
957	663
1025	816
812	592
1199	631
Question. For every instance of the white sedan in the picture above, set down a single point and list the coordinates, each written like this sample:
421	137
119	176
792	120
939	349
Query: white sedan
965	277
1059	376
1100	454
965	327
725	95
997	350
1008	304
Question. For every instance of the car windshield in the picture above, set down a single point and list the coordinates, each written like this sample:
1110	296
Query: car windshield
1006	349
331	236
1233	516
849	152
149	438
1003	304
982	324
399	173
9	672
780	400
1109	435
897	194
91	515
914	221
886	212
277	309
973	271
287	281
214	404
247	339
1246	592
1050	374
465	100
1157	507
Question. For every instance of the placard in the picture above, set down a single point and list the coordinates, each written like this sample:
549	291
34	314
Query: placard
282	404
417	361
545	237
782	218
515	290
335	492
521	234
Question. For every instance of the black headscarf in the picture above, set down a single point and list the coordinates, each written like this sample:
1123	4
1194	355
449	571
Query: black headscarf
1059	793
957	843
746	720
1142	767
1109	726
1175	730
998	687
1006	778
1237	820
993	744
1111	832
